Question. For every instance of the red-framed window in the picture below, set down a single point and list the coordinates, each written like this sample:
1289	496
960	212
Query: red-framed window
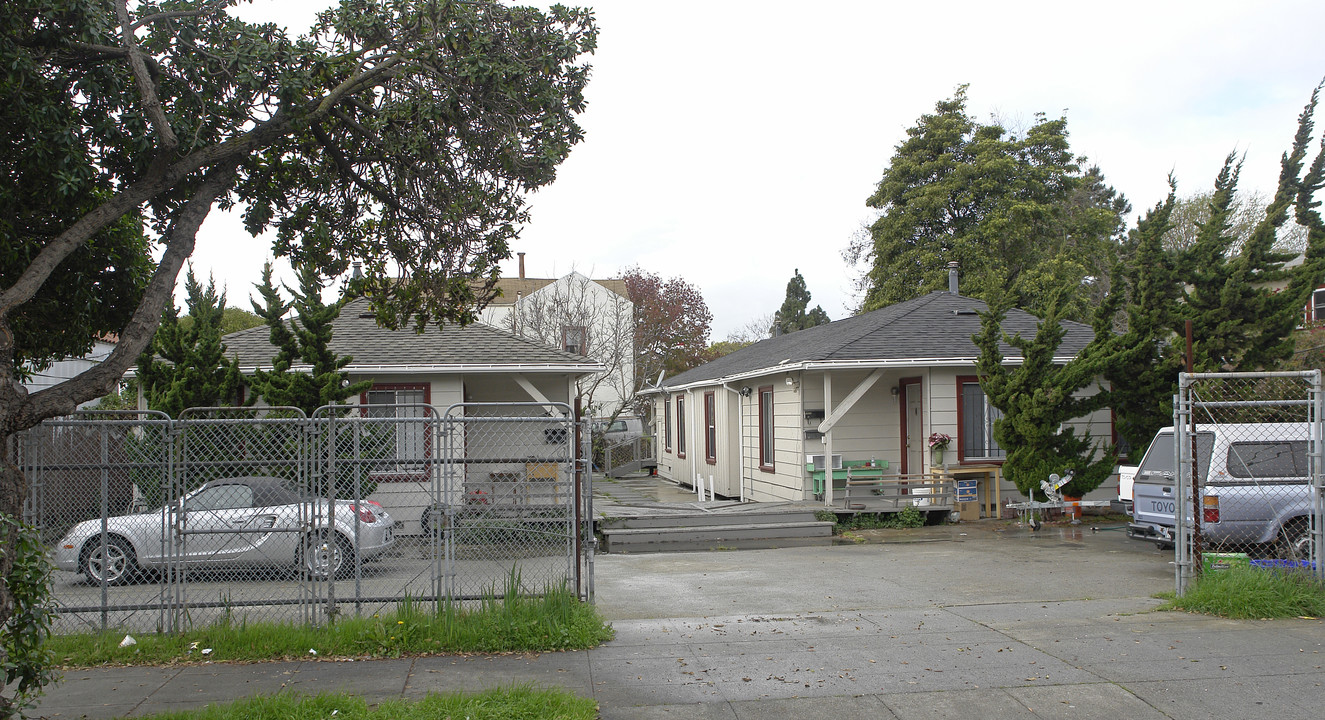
680	427
667	424
766	428
710	429
975	423
575	339
401	444
1315	310
1119	442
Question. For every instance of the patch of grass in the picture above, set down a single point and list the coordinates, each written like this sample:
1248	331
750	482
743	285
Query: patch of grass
1249	593
520	701
514	623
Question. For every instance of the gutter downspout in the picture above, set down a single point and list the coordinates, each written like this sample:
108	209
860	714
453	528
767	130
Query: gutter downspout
828	441
740	439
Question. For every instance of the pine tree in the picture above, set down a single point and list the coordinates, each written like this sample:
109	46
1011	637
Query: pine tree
192	369
1143	377
1016	210
303	340
792	316
1221	283
1038	397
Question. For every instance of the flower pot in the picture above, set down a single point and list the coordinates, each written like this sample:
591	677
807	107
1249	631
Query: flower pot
936	457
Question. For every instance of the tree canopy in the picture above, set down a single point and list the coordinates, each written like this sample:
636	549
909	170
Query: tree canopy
1236	279
671	325
1010	208
401	133
1039	397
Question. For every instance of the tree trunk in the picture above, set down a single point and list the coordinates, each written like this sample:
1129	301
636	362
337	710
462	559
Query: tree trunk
13	490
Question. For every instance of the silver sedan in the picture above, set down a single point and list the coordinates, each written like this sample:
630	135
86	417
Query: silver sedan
235	522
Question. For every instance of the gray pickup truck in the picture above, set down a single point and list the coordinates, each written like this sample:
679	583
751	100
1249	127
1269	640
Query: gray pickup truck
1256	488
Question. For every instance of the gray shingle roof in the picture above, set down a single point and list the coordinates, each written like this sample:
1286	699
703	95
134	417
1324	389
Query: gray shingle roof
936	327
357	334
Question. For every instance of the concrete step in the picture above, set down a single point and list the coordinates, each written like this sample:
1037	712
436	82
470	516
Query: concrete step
744	536
690	519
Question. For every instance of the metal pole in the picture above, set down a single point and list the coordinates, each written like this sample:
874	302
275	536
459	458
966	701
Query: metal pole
1196	549
578	465
1181	458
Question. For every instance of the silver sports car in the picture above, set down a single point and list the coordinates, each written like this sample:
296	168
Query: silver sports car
235	522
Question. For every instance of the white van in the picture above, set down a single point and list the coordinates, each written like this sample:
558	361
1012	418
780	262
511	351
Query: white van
1256	488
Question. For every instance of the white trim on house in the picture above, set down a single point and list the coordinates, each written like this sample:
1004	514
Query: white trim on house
448	368
840	365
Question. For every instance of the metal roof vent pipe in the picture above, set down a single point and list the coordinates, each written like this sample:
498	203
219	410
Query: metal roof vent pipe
952	277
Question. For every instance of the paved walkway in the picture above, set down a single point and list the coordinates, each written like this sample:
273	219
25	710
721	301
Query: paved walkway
983	620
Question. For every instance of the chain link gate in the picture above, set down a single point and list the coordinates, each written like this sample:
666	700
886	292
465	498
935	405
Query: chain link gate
264	514
516	500
1250	472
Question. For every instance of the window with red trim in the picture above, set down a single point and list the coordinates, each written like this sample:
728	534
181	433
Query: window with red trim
667	424
766	428
975	423
575	339
680	427
710	429
402	441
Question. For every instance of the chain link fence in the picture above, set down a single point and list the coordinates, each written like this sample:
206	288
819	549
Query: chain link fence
1248	487
265	514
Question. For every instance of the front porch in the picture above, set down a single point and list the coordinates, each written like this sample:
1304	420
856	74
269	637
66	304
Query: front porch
973	491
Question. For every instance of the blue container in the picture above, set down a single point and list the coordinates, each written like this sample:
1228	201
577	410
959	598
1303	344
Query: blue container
1275	564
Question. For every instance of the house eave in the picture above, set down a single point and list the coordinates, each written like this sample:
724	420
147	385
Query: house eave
870	364
451	368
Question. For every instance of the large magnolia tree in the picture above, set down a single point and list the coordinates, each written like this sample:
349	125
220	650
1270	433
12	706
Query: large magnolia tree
402	133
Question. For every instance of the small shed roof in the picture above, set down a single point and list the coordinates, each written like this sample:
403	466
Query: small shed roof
933	329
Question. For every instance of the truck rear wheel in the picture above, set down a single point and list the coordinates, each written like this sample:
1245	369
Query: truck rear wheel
1294	540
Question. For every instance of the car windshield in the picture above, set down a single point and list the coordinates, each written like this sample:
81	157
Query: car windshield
1157	466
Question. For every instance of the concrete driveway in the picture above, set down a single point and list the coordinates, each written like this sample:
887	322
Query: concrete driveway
982	620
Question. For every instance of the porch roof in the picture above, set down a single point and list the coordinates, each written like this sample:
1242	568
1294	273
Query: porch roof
933	329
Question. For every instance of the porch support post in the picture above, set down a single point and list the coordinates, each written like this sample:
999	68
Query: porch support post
831	416
828	439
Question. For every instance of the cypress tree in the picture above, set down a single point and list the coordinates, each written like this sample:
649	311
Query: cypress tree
186	367
304	340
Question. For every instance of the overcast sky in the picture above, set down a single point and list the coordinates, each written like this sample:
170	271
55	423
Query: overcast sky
731	143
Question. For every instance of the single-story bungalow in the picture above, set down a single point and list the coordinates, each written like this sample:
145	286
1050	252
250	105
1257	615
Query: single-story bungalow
761	423
441	368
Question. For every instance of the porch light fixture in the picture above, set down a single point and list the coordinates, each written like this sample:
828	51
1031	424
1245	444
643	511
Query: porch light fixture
895	391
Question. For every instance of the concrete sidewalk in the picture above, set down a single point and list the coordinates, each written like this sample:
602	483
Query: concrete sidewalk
983	620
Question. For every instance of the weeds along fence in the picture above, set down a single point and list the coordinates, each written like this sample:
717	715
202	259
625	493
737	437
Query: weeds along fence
228	514
1250	472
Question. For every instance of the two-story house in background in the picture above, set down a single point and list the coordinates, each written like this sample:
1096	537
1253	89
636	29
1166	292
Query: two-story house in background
583	316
